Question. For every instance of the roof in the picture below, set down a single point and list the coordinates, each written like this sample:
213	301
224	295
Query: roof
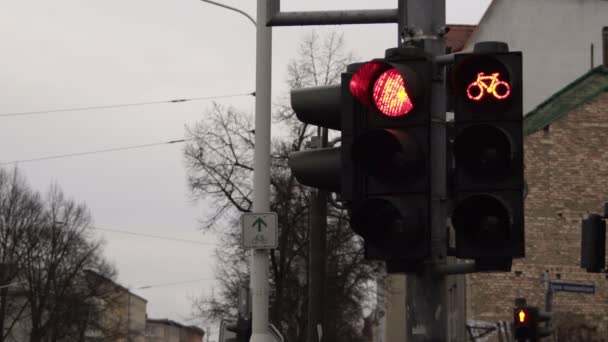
458	35
484	18
174	323
102	277
573	95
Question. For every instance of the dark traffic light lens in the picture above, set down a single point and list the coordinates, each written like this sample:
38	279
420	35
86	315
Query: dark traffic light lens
484	219
484	151
385	224
389	155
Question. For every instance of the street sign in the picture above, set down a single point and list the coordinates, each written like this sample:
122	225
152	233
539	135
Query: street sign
259	230
569	287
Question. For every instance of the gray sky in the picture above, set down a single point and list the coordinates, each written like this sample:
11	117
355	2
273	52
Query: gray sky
73	53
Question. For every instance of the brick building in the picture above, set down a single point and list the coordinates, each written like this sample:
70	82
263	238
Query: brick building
566	160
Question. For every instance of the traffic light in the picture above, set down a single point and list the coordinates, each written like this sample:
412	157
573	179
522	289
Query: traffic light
593	243
523	323
486	156
526	323
319	168
385	143
242	328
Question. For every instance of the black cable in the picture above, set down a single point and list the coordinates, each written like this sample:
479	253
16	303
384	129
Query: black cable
154	236
50	111
124	148
173	283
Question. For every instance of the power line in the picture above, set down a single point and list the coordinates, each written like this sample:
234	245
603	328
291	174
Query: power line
154	236
73	109
124	148
173	283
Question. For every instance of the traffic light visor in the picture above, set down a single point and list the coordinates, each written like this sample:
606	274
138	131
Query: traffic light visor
361	81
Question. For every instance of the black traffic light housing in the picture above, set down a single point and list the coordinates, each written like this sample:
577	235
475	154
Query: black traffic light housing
527	322
593	243
486	159
319	168
385	142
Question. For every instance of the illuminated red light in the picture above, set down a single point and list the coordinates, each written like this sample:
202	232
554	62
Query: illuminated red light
488	84
360	83
521	315
390	95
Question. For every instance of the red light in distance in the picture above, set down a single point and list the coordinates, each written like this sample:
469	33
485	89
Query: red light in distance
488	84
521	315
390	95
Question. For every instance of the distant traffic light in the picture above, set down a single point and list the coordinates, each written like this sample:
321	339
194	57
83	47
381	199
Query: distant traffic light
387	148
527	320
487	179
523	325
593	243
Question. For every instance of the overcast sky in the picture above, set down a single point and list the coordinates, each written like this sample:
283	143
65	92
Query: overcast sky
73	53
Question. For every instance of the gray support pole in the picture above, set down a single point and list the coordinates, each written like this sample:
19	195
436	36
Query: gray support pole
317	256
261	172
426	292
316	266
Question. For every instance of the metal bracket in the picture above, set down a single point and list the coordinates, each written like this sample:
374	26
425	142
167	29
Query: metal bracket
412	35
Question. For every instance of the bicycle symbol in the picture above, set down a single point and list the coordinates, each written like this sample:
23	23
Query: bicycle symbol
488	84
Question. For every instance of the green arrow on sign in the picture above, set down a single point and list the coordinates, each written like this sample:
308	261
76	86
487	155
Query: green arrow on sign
259	222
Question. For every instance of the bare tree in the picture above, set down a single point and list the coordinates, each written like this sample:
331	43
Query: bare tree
220	165
20	209
45	248
55	254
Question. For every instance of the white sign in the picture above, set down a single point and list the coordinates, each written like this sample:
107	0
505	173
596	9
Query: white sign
259	230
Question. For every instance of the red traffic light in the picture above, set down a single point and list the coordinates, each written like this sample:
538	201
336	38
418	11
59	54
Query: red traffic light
389	87
390	94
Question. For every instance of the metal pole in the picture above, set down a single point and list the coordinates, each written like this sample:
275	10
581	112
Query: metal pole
316	267
232	9
261	172
316	257
422	23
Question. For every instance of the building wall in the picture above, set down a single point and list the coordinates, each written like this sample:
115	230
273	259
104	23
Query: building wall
554	35
136	317
164	331
567	174
158	332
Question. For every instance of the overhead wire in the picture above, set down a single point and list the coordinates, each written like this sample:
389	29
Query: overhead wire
172	283
73	109
115	149
119	231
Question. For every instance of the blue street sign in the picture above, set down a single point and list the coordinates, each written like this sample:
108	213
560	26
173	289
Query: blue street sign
569	287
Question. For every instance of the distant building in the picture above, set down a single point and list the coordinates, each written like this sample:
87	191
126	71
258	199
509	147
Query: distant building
165	330
555	37
123	313
110	312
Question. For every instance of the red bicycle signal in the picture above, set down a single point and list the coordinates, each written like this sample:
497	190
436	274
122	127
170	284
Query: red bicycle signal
488	84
